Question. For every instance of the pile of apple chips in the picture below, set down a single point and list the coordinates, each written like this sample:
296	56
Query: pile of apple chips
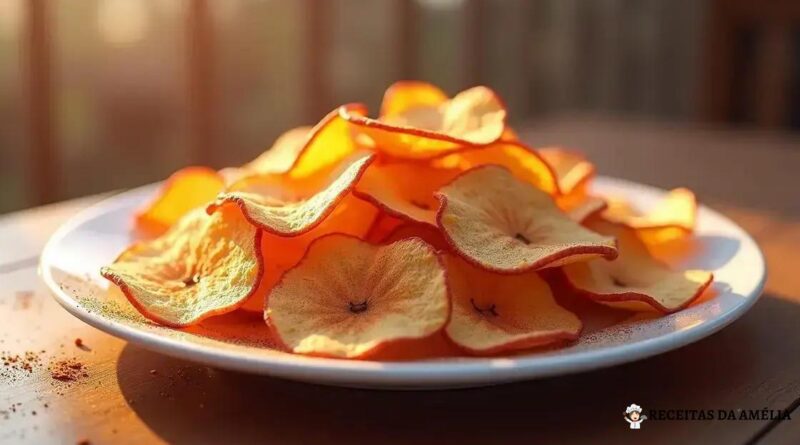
431	219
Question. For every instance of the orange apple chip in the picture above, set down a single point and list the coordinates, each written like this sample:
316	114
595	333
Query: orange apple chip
635	280
523	162
572	170
351	217
185	190
204	265
403	96
286	207
493	313
504	225
283	154
348	298
678	210
473	117
404	190
430	234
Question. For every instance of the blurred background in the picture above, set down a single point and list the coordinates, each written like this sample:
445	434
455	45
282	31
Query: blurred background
98	95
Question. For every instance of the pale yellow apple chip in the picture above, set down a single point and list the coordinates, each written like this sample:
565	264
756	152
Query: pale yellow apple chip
635	280
492	313
351	217
286	207
404	190
348	298
473	117
678	210
283	154
504	225
203	266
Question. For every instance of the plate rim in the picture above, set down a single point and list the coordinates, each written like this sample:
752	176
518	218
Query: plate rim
446	372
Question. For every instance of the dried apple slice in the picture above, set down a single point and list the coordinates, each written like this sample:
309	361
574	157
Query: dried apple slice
204	265
283	154
404	190
675	214
348	298
473	117
501	224
635	280
286	207
581	210
403	96
430	234
523	162
351	217
573	171
185	190
492	313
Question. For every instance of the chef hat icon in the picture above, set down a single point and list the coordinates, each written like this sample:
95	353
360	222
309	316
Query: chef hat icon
632	408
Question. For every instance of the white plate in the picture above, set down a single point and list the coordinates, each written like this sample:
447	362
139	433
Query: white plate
73	256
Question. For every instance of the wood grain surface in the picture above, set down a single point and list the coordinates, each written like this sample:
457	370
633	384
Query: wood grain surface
131	395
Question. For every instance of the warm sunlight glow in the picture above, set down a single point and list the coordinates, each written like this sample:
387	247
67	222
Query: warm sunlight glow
122	22
10	18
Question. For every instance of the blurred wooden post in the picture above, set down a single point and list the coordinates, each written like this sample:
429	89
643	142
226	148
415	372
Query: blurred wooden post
473	49
202	95
773	21
317	33
43	173
406	39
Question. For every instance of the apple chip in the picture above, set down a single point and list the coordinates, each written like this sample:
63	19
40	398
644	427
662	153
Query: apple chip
573	171
185	190
673	216
327	145
204	265
347	298
635	280
283	154
501	224
492	313
473	117
404	190
581	210
404	96
430	234
523	162
286	207
351	217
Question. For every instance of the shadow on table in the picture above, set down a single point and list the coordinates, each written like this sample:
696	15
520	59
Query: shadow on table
740	367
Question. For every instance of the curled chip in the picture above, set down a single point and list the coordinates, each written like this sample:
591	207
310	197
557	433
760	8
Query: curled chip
581	210
492	313
351	217
404	96
287	207
185	190
635	280
430	234
573	171
672	217
203	266
404	190
473	117
283	154
347	298
523	162
501	224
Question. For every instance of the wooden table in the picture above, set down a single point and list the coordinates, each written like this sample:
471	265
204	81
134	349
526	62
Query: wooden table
753	364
